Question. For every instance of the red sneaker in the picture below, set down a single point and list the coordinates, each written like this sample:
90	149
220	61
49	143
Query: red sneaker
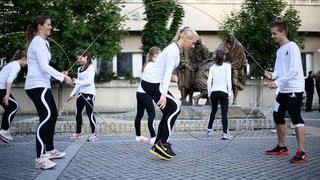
278	151
300	157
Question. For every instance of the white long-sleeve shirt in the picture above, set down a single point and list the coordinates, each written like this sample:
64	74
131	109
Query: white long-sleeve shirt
161	71
9	73
288	71
39	70
148	66
219	79
85	81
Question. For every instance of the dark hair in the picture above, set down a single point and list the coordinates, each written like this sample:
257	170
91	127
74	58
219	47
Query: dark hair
220	57
85	54
152	51
19	55
281	25
33	27
310	73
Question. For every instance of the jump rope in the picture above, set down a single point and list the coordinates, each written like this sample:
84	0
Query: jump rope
238	132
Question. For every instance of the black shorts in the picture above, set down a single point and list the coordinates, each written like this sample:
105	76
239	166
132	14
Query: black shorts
290	102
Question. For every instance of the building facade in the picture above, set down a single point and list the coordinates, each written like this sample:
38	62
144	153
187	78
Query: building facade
205	16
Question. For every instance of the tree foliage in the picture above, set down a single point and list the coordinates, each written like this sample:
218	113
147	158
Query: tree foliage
75	26
251	27
163	21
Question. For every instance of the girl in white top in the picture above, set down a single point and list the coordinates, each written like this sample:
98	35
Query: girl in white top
155	82
145	102
219	91
84	85
7	75
38	89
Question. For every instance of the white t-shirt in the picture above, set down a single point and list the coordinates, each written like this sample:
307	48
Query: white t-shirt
219	79
161	71
9	73
39	70
288	71
85	81
148	66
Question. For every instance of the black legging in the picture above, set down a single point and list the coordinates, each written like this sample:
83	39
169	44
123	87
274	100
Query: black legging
9	111
169	113
144	102
81	103
222	97
47	111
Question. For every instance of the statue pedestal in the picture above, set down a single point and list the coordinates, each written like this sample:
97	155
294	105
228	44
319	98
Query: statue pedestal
203	112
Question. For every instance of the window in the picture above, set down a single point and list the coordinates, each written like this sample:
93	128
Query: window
307	62
124	64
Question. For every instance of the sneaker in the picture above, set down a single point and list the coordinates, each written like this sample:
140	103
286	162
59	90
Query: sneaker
226	136
76	136
278	151
155	151
93	137
300	157
44	163
141	139
5	136
152	140
209	132
166	149
55	154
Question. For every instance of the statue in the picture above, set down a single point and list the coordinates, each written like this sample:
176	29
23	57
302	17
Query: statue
185	75
193	73
236	55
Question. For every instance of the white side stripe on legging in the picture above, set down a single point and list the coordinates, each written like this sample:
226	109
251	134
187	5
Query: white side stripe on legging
172	115
43	100
9	117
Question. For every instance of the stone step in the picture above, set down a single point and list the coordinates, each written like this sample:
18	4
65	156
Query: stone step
108	126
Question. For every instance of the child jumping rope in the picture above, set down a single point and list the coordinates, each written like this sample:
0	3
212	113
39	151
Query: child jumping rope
7	75
84	85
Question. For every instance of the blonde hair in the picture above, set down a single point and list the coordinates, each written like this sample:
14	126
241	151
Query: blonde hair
152	52
186	33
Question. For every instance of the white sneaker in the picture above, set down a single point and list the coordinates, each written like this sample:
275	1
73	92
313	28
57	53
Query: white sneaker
226	136
152	140
5	136
55	154
93	137
141	139
44	163
76	136
209	132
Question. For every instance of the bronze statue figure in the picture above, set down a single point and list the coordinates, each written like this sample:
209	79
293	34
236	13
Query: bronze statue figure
193	73
236	55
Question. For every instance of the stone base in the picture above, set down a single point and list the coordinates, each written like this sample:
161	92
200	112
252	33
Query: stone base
191	118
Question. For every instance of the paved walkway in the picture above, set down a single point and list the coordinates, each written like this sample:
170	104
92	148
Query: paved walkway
197	157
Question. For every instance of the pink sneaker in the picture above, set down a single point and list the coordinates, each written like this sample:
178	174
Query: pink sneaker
141	139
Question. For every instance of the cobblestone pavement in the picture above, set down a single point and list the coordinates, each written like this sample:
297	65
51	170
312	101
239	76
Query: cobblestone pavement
198	157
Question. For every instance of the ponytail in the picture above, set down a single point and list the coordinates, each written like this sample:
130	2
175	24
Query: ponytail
33	27
152	52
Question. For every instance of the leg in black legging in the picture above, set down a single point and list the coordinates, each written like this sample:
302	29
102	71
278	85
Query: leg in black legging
214	108
140	112
80	105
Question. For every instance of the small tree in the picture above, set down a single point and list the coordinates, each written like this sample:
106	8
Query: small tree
76	24
251	28
158	31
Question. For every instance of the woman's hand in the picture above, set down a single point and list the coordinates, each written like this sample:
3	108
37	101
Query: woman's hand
162	102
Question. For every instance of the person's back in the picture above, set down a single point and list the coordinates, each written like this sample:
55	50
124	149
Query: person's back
7	71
